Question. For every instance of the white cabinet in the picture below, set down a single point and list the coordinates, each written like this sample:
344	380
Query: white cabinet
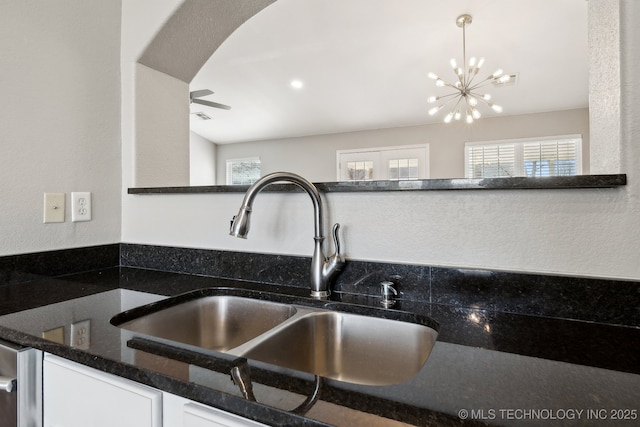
179	411
202	416
75	395
78	396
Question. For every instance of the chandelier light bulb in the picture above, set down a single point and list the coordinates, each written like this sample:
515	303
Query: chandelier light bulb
448	117
465	95
435	110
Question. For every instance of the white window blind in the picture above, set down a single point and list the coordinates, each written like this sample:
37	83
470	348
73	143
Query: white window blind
550	158
555	156
491	161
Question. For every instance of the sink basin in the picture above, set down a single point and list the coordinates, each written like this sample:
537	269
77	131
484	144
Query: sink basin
348	347
351	343
214	322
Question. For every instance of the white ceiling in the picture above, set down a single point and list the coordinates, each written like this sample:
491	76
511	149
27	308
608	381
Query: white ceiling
364	64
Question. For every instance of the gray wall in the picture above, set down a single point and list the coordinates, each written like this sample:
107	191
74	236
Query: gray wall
315	156
59	120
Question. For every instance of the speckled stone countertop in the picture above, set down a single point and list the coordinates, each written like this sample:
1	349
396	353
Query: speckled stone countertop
487	367
513	183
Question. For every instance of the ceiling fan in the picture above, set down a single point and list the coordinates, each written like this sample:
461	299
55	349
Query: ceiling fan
193	98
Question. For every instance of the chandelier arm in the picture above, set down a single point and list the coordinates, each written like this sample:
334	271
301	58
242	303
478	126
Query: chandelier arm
479	97
491	105
448	101
441	106
483	83
472	76
452	86
457	106
448	95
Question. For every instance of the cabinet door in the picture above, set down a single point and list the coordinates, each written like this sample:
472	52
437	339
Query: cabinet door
201	416
78	396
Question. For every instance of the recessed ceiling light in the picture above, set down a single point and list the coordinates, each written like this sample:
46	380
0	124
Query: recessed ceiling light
297	84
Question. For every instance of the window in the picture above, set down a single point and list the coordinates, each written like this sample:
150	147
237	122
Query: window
401	169
384	163
243	171
556	156
360	170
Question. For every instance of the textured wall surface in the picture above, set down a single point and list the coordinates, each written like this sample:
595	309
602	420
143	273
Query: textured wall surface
578	232
604	84
193	32
59	120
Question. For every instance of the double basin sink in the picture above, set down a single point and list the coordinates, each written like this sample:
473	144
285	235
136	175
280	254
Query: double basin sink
346	342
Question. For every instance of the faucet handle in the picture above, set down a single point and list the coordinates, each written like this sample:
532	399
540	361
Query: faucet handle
336	240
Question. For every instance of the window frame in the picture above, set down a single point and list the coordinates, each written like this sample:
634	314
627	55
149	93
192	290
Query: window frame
382	156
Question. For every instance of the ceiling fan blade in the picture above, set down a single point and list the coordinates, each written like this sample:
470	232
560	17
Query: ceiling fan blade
211	104
200	93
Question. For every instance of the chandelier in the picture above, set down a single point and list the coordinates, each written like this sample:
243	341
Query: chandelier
467	94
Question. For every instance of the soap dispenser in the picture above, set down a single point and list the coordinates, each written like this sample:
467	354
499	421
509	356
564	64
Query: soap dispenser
388	293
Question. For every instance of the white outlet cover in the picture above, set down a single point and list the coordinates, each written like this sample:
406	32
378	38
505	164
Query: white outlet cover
80	206
53	207
81	334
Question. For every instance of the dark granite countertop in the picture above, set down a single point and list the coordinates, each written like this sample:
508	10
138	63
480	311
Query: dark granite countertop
512	183
487	367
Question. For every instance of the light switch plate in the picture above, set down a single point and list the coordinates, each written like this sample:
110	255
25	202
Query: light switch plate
55	335
53	207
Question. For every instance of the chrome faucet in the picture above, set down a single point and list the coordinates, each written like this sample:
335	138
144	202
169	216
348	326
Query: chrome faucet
323	268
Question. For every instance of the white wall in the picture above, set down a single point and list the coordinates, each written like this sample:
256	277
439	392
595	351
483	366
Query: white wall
162	150
59	120
315	156
202	160
581	232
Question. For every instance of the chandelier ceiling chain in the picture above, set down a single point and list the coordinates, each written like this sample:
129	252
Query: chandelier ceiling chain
466	95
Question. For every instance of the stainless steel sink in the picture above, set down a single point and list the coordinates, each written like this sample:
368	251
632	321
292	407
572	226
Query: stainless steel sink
215	322
348	347
325	340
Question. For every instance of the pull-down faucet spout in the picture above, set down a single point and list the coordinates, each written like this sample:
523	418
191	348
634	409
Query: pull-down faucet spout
323	268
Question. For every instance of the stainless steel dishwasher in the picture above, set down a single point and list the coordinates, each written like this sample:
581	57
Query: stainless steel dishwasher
20	386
